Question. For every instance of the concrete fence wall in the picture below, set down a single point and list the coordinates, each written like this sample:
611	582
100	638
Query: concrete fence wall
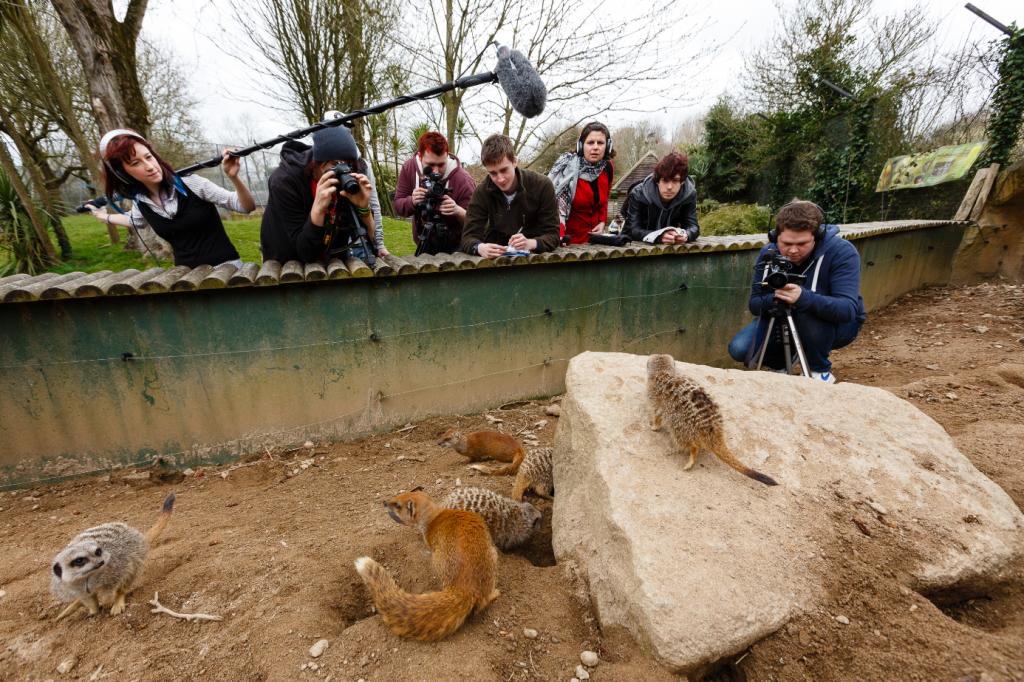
219	373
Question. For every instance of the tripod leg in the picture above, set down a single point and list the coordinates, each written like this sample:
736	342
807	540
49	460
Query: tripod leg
764	346
799	346
787	350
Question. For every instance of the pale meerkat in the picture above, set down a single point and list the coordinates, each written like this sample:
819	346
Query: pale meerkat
100	566
535	473
693	418
511	523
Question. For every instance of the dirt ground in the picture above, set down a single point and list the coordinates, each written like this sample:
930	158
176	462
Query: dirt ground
270	547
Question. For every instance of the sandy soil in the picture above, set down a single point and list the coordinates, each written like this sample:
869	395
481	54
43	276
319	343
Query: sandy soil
271	548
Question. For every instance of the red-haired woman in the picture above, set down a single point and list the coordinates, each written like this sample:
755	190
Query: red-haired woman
433	156
583	180
662	209
182	211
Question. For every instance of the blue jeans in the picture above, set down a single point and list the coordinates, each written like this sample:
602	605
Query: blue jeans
819	337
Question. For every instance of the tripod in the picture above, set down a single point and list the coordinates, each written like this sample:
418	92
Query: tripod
784	331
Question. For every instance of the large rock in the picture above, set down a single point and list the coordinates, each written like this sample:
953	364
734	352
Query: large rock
700	564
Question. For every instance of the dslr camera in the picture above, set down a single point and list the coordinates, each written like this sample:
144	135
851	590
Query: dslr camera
343	174
434	234
779	275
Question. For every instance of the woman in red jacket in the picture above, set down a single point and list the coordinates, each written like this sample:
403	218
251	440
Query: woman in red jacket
582	182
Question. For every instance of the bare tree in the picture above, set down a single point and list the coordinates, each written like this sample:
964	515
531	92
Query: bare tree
592	66
317	56
107	50
634	141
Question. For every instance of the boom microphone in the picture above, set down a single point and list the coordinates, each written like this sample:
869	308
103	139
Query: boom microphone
523	87
525	90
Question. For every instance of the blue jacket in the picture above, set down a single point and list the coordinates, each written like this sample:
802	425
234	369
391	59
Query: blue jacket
833	268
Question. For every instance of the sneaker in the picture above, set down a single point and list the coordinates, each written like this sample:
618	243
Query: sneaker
827	377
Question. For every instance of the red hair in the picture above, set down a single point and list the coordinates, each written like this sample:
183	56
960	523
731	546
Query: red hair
434	143
672	165
121	149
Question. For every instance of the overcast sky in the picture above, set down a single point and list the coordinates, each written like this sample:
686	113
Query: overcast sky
194	28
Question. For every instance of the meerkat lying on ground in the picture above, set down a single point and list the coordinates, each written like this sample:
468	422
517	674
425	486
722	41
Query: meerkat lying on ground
511	523
534	473
464	558
100	566
693	418
486	445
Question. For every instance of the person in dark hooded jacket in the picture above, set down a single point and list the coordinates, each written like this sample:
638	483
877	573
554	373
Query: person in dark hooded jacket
301	189
663	208
828	310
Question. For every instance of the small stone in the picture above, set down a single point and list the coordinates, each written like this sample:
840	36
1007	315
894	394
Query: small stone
317	649
951	396
3	593
66	665
541	424
554	640
387	445
304	666
364	661
458	482
877	507
529	634
926	366
843	619
308	445
581	673
981	329
553	410
313	666
913	607
590	659
438	481
189	472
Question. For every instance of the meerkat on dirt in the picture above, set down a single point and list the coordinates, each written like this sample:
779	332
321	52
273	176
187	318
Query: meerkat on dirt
486	445
511	523
464	558
693	418
100	566
534	473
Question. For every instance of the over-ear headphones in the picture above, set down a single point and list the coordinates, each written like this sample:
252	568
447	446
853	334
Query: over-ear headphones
105	140
607	149
819	234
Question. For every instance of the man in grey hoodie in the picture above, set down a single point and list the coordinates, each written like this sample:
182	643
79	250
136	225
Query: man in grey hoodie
662	209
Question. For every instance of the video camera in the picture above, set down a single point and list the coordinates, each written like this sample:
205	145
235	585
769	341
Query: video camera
435	231
778	272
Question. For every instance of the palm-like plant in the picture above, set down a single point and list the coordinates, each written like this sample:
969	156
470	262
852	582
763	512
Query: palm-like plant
18	240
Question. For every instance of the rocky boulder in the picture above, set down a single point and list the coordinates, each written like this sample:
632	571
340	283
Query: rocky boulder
700	564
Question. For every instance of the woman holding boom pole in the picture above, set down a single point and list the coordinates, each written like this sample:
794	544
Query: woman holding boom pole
182	211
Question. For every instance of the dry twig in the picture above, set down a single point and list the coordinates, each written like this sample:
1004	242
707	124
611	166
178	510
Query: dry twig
155	601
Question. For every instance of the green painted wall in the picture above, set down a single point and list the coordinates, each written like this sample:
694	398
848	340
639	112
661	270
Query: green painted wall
221	373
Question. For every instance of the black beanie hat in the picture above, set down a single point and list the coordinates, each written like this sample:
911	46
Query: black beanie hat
334	143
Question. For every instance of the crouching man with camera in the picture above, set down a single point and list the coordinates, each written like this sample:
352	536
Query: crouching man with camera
514	210
320	202
809	269
434	189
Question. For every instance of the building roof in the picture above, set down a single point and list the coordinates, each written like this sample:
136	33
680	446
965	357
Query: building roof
640	170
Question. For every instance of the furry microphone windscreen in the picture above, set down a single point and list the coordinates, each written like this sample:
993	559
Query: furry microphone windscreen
525	90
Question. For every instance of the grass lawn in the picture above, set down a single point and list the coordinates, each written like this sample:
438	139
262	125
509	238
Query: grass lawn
93	251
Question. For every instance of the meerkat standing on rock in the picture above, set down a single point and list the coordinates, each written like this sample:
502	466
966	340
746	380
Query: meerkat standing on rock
464	558
693	418
100	566
486	445
534	473
511	523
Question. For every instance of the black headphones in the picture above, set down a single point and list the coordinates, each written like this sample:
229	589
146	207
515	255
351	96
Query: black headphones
819	234
607	149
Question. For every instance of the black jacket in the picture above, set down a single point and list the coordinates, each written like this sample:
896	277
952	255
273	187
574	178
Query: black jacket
647	213
286	232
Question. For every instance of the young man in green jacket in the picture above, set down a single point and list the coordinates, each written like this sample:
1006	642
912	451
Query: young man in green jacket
512	207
